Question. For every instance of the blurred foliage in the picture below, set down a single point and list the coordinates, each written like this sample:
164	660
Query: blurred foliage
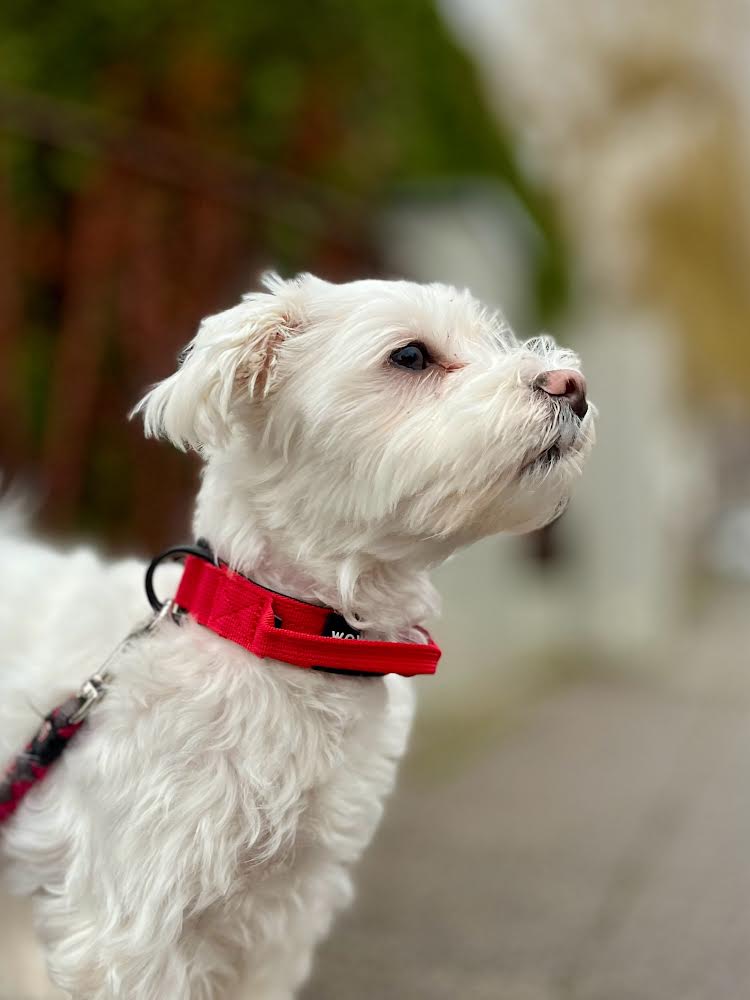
358	95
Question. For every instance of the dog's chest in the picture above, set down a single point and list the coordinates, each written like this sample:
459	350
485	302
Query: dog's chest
264	762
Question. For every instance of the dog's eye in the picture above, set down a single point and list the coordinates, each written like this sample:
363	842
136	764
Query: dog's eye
414	356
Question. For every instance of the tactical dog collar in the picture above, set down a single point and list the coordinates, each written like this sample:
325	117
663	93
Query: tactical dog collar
277	627
268	624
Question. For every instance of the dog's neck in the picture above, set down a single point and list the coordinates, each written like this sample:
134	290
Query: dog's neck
385	593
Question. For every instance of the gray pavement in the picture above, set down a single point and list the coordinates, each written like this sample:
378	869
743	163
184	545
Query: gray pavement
596	848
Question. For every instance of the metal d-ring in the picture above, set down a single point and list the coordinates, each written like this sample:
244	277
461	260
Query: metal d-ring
176	552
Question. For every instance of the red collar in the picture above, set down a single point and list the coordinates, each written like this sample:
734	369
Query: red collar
281	628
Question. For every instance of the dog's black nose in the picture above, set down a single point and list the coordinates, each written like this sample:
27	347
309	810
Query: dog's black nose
568	384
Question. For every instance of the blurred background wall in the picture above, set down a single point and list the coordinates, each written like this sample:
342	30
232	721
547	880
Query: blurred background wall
581	166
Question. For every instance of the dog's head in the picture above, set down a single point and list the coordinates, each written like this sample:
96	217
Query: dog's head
378	412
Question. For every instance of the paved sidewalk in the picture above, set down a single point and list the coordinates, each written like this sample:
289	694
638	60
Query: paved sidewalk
599	849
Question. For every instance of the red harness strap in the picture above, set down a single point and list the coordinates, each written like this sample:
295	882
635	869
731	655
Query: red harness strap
281	628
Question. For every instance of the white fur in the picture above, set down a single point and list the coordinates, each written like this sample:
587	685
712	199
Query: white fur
196	838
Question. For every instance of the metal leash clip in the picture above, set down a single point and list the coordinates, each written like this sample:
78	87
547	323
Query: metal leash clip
94	689
89	693
169	609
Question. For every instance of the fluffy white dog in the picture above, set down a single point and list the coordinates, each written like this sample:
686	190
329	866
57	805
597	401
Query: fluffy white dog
197	836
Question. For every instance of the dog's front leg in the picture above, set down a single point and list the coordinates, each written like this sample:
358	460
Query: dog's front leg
145	944
130	860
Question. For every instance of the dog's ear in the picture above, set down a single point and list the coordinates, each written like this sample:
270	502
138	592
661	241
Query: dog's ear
231	358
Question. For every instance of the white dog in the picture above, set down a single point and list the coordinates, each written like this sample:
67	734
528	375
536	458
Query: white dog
196	837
